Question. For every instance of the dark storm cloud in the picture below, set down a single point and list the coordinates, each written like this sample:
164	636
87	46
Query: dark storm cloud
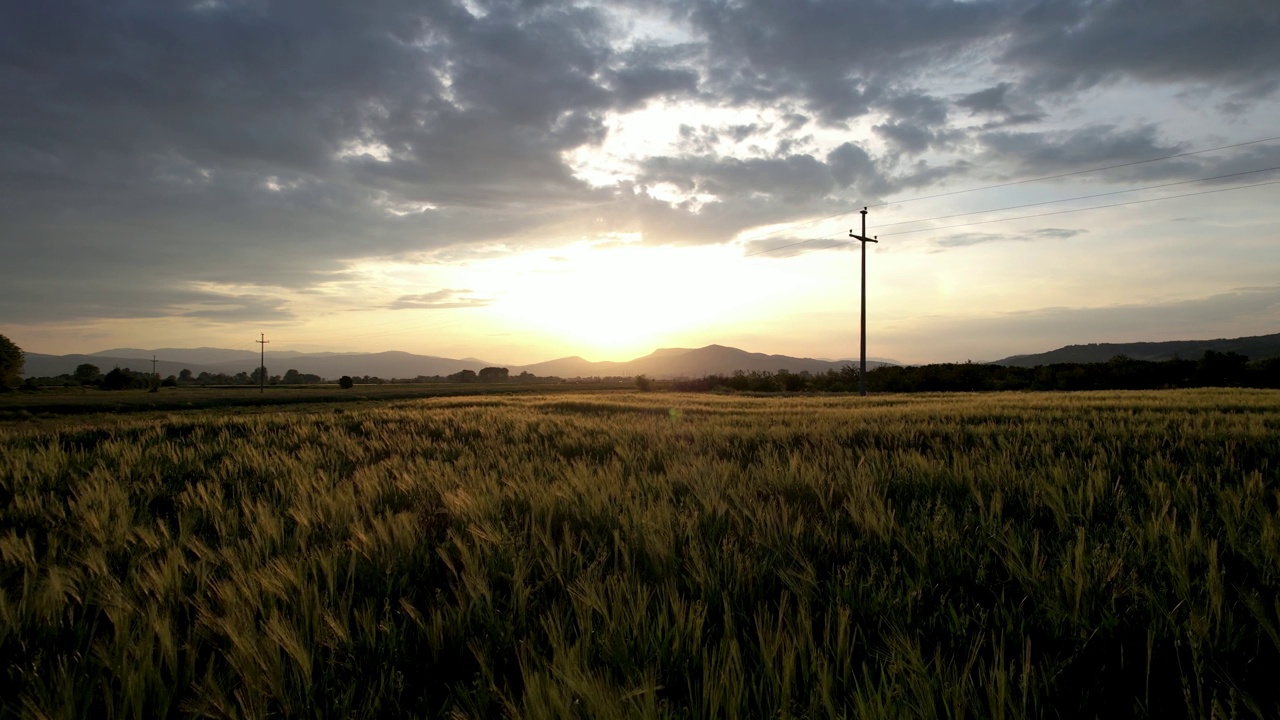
1105	146
756	191
915	123
997	101
908	137
836	58
1068	44
1083	148
851	164
633	87
840	58
991	100
27	299
268	143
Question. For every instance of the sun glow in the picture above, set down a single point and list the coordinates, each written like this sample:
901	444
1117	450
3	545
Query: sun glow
619	299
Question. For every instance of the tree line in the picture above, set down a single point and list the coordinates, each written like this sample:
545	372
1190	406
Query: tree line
89	375
1213	369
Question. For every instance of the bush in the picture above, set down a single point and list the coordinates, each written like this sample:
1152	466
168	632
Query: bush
345	382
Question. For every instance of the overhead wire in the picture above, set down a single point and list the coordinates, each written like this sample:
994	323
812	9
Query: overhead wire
815	221
1073	173
1062	212
379	334
1096	207
1082	197
794	226
784	247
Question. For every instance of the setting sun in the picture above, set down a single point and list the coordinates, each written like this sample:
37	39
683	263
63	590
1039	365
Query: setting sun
617	300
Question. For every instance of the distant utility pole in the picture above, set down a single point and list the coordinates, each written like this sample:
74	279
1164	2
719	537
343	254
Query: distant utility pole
862	352
262	361
154	374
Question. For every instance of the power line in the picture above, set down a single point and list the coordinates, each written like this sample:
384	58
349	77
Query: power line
1076	172
1082	197
989	187
806	223
784	247
1058	212
1096	207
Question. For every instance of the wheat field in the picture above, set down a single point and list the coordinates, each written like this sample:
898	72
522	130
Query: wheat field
637	555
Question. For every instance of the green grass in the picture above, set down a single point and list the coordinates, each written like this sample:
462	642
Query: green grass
649	555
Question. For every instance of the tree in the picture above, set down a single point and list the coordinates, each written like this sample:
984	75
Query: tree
12	360
1217	369
345	382
643	384
493	374
87	374
184	376
292	377
465	376
117	379
1266	373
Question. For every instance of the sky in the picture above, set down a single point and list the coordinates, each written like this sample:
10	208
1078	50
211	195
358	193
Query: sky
521	180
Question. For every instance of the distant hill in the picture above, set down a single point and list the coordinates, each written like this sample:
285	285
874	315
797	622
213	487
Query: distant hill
1257	348
663	363
38	365
326	365
206	355
197	356
387	365
685	362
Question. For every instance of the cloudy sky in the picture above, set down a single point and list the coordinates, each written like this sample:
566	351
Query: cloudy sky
523	180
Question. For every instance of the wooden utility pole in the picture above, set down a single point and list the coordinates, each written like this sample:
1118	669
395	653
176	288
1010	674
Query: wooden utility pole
862	351
154	375
262	362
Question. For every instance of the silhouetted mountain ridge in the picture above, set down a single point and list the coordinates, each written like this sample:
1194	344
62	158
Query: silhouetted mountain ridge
660	364
1256	347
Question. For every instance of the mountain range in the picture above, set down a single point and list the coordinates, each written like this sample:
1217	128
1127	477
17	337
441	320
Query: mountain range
660	364
663	363
1256	347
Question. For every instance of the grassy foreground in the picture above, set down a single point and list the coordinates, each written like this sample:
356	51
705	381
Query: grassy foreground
52	403
650	555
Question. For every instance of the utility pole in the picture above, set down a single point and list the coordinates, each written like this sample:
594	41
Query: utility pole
262	363
862	352
154	375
